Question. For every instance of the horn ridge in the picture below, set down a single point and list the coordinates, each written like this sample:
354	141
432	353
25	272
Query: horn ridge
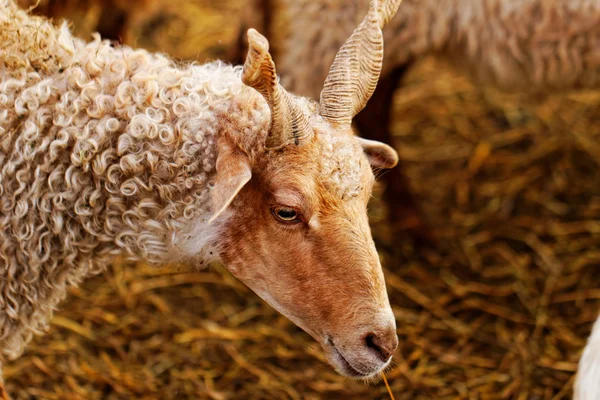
288	122
355	71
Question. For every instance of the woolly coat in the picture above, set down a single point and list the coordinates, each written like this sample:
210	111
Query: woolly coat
103	151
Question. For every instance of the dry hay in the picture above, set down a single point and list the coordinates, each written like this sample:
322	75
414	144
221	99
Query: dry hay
186	30
511	185
500	310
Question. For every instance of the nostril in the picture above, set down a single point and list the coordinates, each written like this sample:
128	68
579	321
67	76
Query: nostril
384	347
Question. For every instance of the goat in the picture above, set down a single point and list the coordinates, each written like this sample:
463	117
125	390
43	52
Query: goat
515	45
108	151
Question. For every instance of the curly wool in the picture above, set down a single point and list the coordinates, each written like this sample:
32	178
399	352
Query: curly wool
103	151
520	45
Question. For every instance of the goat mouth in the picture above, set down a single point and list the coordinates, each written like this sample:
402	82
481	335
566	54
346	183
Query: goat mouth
343	365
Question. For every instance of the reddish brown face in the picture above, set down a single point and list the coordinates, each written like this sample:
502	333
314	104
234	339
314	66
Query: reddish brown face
297	231
309	253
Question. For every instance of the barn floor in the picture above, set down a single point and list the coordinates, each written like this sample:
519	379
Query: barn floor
499	310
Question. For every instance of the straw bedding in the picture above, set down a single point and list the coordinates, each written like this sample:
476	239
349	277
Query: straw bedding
499	310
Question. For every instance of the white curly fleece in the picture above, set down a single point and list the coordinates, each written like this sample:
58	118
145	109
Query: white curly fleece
103	151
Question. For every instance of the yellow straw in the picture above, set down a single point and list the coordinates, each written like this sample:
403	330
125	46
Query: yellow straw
387	385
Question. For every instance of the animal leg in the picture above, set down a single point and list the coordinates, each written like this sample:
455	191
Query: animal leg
374	123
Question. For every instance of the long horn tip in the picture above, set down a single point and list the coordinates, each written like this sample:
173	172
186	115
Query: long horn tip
258	41
387	10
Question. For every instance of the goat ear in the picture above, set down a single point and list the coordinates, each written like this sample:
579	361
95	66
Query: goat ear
233	172
380	155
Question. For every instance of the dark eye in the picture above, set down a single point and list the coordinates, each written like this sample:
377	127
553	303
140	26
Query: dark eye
285	214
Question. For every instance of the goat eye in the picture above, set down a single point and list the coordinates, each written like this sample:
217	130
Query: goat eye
285	214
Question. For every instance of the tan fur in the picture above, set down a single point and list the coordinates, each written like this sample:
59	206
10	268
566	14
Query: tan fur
310	265
110	151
